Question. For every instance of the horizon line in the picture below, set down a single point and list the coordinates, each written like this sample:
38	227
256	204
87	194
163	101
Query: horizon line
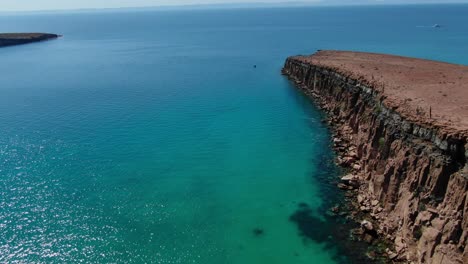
232	5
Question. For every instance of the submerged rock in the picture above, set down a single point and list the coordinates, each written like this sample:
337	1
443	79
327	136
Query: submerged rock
258	231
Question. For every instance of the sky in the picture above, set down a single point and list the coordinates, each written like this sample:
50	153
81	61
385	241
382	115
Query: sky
31	5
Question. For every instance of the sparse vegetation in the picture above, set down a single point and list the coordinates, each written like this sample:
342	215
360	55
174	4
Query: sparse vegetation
378	108
421	207
420	189
381	143
417	232
435	200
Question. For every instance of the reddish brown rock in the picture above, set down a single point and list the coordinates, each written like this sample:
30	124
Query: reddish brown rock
407	131
426	246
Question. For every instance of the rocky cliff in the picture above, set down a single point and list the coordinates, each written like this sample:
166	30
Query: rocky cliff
9	39
401	130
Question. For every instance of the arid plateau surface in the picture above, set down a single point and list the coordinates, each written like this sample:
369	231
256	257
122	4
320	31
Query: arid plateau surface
400	129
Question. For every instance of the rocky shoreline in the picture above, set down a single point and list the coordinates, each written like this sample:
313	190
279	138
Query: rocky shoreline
407	179
10	39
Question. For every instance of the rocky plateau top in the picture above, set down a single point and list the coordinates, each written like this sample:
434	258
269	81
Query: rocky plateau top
425	92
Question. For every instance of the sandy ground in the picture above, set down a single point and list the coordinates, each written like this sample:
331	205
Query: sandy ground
429	92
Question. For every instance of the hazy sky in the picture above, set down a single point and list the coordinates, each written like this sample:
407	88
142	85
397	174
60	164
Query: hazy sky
17	5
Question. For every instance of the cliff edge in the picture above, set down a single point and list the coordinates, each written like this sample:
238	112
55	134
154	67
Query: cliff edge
401	129
10	39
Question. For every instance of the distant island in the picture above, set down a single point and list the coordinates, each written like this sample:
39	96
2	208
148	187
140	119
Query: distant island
10	39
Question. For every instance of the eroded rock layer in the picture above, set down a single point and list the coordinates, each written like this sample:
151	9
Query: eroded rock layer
410	166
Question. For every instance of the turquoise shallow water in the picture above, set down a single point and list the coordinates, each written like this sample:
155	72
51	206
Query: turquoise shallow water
149	137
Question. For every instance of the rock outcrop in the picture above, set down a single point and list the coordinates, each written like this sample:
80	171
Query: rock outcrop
10	39
402	130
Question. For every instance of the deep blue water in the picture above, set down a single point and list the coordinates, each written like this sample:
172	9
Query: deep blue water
148	136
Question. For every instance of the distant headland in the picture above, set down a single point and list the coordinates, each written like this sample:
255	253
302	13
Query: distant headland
10	39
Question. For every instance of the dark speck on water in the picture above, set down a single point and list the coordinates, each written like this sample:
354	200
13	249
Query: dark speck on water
258	231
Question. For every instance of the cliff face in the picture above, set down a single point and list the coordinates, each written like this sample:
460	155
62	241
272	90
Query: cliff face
11	39
412	176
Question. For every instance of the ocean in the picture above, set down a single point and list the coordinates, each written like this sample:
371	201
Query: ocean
149	136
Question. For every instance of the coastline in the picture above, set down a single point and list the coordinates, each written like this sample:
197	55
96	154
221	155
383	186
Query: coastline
12	39
406	173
